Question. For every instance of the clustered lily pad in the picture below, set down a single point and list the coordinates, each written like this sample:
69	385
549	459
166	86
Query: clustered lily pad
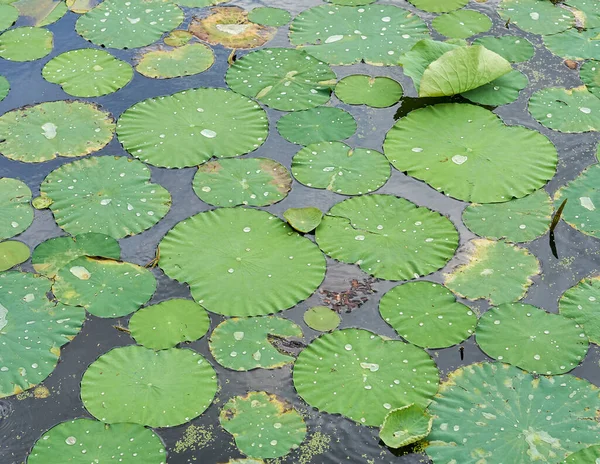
13	252
461	24
15	207
8	16
511	47
320	124
500	91
535	16
186	60
26	43
575	44
376	92
580	303
41	12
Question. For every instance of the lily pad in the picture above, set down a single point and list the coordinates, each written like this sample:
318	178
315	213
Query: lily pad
4	87
128	23
388	237
321	318
376	92
468	153
493	397
404	426
245	181
8	16
351	2
263	425
82	441
439	6
41	12
500	91
589	10
34	134
190	127
284	79
379	375
337	167
343	35
510	47
427	315
28	360
12	253
589	455
242	344
496	271
536	16
519	220
321	124
15	207
82	6
461	24
255	264
166	388
303	220
566	110
575	44
581	303
186	60
198	3
26	43
267	16
166	324
589	73
178	38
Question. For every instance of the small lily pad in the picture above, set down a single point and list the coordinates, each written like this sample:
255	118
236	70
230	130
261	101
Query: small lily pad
322	318
178	38
462	24
439	6
404	426
186	60
26	43
268	16
320	124
82	6
511	47
4	87
536	16
376	92
500	91
8	16
582	303
12	253
303	220
15	207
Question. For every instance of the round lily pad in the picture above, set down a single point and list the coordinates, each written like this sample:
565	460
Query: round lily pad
244	181
376	92
190	127
268	16
255	264
589	73
388	237
4	87
500	91
520	220
40	12
321	124
511	47
575	44
481	403
404	426
166	388
107	195
535	16
178	38
337	167
379	375
27	360
186	60
343	35
589	455
33	134
26	43
166	324
128	23
439	6
263	425
12	253
427	315
582	303
15	207
532	339
88	72
496	271
322	318
82	441
305	219
461	24
242	344
468	153
8	16
284	79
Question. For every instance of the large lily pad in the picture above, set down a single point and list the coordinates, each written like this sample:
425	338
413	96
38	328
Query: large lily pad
8	16
40	12
190	127
468	153
405	425
511	47
142	386
255	264
15	207
582	303
589	73
343	35
588	10
388	237
26	43
536	16
575	44
360	375
321	124
187	60
12	253
267	16
461	24
500	91
108	195
477	409
377	92
439	6
33	134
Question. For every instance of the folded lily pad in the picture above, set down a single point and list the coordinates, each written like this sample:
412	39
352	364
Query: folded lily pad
303	220
575	44
320	124
12	253
501	91
589	73
8	16
40	12
186	60
321	318
439	6
15	207
461	24
536	16
376	92
589	455
510	47
405	425
4	87
582	303
26	43
268	16
178	38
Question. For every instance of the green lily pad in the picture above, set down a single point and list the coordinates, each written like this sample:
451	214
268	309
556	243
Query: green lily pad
82	441
520	220
82	6
321	124
110	195
166	324
267	16
388	237
468	153
12	253
186	60
54	254
581	303
589	455
536	16
166	388
343	35
532	339
190	127
255	264
303	220
128	23
4	87
34	134
8	16
566	110
88	72
322	318
376	92
15	207
589	73
555	416
24	308
105	287
351	2
496	271
574	44
198	3
427	315
283	79
379	375
26	43
425	52
242	344
41	12
244	181
404	426
510	47
263	425
439	6
589	10
461	24
337	167
500	91
178	38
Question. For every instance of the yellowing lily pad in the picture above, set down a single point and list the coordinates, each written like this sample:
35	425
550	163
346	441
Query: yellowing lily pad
186	60
12	253
26	43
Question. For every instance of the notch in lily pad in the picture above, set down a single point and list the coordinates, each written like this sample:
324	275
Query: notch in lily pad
405	426
304	220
